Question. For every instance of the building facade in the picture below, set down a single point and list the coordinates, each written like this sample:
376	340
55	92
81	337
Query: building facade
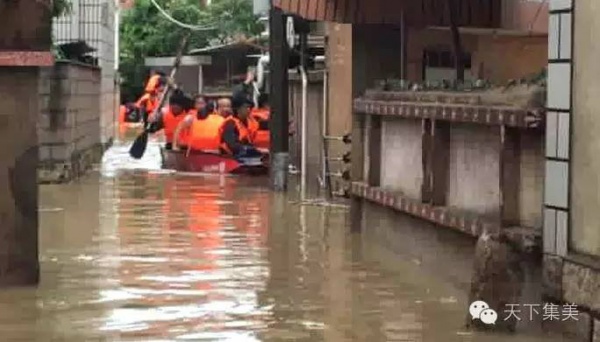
476	168
96	22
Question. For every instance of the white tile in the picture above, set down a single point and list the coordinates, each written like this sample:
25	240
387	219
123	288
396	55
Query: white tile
556	185
560	4
553	36
562	148
565	36
551	138
559	85
549	231
562	231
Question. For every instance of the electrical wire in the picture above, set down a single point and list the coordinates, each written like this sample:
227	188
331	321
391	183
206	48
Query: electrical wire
179	23
537	14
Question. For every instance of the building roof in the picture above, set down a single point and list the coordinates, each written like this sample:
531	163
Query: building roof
244	47
472	13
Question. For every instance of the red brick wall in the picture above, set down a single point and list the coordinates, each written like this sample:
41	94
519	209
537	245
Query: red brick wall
498	58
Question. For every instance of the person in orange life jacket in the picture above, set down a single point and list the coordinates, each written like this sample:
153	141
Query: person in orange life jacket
234	134
149	101
199	104
128	113
224	107
258	123
202	127
153	81
169	119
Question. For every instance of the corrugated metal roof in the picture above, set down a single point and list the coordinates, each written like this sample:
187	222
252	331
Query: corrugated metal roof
211	50
472	13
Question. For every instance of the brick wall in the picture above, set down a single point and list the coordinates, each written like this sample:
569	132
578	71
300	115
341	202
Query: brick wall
69	126
494	57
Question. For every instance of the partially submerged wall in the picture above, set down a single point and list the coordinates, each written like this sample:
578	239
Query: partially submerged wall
69	125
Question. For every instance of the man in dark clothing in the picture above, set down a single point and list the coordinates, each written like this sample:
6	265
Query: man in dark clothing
245	89
234	134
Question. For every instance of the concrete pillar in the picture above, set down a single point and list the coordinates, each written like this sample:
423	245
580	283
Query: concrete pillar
279	99
25	41
18	176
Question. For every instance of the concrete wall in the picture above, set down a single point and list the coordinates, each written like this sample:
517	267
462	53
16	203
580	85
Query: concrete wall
474	175
188	77
525	15
585	185
70	121
314	124
401	157
18	190
475	169
572	186
339	63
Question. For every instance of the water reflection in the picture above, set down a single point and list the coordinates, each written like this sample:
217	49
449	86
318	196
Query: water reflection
132	254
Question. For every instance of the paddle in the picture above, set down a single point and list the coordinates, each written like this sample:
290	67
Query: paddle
138	148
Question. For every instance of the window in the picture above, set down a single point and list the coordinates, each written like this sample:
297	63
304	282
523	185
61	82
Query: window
438	64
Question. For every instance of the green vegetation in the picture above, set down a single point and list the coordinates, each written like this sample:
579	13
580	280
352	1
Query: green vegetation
145	32
61	7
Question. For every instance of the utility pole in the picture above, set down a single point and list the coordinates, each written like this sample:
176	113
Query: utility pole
278	96
25	41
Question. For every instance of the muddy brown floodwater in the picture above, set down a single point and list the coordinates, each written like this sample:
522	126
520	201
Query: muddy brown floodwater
132	253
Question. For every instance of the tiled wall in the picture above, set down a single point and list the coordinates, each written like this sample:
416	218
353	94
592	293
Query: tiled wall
556	187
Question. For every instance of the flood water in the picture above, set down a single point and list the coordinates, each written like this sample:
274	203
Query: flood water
133	253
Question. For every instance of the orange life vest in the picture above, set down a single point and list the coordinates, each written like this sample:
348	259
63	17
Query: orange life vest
148	102
261	113
122	113
259	138
205	133
243	133
170	123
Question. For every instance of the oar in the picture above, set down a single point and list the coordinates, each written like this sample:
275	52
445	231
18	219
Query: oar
138	148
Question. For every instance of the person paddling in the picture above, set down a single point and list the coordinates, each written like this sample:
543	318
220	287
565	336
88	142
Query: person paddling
153	81
169	119
148	102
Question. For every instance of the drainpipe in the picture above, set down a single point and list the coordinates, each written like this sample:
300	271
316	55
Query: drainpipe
403	49
117	28
303	168
325	129
304	132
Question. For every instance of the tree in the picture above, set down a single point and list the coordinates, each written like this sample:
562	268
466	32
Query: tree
145	32
60	7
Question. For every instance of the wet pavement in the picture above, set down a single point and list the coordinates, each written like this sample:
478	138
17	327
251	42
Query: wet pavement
135	253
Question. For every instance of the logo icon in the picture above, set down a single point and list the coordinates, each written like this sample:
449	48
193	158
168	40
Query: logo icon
488	316
481	310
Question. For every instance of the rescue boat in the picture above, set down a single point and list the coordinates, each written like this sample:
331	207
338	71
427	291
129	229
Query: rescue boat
208	162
